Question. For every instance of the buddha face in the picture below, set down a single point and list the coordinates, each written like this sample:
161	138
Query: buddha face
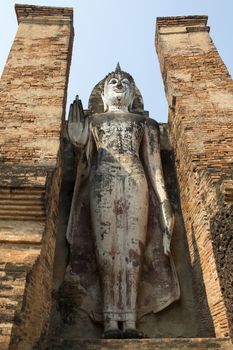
118	93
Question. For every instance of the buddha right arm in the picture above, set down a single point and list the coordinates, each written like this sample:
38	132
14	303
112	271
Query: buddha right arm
78	125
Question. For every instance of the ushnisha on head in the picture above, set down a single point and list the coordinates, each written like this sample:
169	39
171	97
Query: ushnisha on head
119	90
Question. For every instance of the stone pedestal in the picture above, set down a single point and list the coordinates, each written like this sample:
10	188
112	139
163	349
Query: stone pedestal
145	344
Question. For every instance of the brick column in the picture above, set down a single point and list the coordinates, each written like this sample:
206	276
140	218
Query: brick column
199	91
33	93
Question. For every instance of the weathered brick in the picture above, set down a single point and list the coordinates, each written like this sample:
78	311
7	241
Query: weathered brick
199	91
32	107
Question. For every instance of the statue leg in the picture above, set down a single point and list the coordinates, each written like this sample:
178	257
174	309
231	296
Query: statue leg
134	249
108	233
119	212
112	270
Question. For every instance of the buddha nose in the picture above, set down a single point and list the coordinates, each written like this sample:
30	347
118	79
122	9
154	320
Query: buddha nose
119	85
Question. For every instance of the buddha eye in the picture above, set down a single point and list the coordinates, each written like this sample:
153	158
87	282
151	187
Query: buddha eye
113	81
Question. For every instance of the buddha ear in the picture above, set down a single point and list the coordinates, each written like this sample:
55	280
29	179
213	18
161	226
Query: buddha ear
132	100
131	106
105	105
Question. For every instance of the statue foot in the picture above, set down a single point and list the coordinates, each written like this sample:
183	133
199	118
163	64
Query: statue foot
112	334
133	333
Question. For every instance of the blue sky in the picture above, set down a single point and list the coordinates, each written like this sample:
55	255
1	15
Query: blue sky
108	31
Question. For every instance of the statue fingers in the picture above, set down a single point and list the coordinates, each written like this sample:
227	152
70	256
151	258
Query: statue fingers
70	115
76	113
166	243
169	224
85	132
80	111
172	222
166	250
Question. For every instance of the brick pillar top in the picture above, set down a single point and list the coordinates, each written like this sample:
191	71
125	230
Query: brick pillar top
181	21
45	14
181	24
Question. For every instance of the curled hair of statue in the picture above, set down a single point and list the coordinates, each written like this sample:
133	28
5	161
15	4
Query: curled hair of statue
117	72
95	104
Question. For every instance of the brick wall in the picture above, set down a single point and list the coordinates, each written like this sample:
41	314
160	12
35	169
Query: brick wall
199	91
32	111
32	86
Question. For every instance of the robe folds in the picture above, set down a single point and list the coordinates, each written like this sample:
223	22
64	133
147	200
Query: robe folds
158	286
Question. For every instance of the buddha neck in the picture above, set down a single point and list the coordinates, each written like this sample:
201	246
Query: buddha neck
118	109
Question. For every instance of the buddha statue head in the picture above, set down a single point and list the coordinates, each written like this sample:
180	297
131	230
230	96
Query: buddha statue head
119	91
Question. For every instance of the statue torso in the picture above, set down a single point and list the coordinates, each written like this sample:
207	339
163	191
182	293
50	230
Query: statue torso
118	133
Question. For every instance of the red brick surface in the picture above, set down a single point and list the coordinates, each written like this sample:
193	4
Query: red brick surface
32	87
32	108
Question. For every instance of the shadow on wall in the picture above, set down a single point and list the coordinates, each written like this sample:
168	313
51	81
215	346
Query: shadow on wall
194	295
205	325
200	310
222	237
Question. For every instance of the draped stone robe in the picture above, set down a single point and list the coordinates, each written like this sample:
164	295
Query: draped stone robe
114	227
